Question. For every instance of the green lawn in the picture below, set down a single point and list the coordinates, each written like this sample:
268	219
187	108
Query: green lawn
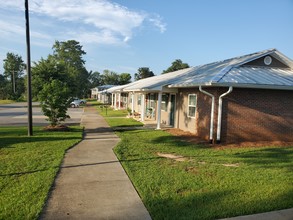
110	112
210	183
28	168
6	101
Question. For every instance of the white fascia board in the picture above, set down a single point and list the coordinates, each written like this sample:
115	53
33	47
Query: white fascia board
189	85
253	86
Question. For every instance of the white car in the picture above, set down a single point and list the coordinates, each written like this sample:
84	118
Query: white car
75	103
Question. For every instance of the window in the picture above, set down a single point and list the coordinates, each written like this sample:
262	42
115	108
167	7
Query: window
164	102
139	100
191	105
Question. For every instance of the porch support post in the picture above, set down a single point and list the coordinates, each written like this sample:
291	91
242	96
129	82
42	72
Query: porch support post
132	104
169	108
119	101
115	102
159	111
142	107
112	100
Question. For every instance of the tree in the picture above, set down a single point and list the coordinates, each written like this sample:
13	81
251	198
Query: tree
54	98
70	52
3	87
13	71
124	78
143	72
110	78
176	65
47	70
95	79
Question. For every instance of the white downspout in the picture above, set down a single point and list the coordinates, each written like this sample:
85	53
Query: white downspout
132	104
220	114
212	113
159	111
142	107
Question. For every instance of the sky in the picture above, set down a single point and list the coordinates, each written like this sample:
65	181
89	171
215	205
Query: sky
124	35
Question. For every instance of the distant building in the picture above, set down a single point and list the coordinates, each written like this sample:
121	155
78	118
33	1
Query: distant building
100	93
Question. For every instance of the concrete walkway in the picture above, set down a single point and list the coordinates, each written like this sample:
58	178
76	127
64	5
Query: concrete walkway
286	214
92	184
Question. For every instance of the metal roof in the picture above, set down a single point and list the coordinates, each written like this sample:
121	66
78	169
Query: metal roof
156	83
231	73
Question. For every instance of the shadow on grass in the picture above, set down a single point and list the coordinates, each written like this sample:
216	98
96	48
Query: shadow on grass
269	157
188	205
8	141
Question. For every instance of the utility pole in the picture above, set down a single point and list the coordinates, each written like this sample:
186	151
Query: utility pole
28	70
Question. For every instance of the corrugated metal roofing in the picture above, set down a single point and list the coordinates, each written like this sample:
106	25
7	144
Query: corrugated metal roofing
228	72
231	73
156	83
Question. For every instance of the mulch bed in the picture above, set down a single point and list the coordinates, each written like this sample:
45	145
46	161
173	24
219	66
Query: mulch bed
56	128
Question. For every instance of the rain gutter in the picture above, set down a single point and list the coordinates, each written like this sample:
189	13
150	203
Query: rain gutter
220	114
212	113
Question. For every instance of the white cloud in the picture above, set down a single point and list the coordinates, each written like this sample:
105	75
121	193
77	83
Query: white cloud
107	21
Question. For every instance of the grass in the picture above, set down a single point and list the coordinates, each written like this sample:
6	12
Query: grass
211	183
110	112
117	118
6	101
28	168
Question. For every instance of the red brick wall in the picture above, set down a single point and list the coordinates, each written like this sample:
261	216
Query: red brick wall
248	114
257	115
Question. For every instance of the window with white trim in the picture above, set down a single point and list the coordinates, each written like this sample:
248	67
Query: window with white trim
192	105
164	102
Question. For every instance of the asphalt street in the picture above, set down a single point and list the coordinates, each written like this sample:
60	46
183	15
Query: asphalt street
16	115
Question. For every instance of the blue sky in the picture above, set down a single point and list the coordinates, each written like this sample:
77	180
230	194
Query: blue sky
124	35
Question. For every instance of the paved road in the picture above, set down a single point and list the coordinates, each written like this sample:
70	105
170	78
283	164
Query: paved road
16	115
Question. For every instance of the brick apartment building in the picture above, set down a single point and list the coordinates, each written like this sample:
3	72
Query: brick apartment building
247	98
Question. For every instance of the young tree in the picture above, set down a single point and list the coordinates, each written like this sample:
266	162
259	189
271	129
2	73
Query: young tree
54	98
176	65
143	72
13	71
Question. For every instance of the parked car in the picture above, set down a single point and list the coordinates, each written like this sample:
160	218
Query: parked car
82	101
75	103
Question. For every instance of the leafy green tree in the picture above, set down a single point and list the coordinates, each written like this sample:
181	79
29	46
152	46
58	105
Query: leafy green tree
124	78
54	98
176	65
47	70
110	78
95	79
3	87
143	72
13	71
70	52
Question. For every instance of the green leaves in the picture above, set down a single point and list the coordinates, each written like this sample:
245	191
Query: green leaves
54	101
176	65
143	72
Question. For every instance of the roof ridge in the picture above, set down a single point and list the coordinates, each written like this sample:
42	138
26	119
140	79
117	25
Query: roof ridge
234	62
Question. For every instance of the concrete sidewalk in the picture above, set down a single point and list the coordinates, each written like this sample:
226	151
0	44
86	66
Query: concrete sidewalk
286	214
92	183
